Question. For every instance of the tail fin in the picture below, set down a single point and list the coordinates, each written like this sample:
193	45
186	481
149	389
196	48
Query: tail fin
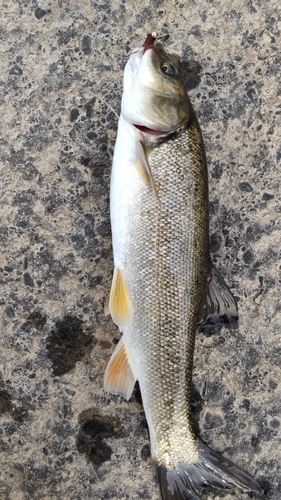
211	469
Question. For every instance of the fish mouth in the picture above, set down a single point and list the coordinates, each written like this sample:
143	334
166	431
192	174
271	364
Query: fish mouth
150	131
150	41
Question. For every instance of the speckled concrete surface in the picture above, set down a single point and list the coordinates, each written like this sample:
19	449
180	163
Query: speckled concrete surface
61	437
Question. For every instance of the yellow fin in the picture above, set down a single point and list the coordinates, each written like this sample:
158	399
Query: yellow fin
119	378
120	305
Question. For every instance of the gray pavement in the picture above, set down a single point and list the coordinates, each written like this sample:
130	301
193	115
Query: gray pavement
61	437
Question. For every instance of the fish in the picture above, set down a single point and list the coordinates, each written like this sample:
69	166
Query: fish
164	284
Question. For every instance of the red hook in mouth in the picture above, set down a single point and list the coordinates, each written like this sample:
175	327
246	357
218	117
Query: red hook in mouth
150	40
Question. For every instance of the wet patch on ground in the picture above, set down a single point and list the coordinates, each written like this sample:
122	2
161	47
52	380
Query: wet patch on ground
197	403
67	344
94	428
7	407
191	73
37	320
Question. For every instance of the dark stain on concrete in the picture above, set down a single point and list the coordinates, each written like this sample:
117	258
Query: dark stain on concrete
197	403
37	320
67	344
145	452
7	407
190	71
94	428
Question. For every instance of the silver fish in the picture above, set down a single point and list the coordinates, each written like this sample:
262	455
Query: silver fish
164	283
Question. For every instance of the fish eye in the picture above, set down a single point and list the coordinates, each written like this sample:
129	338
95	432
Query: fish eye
168	69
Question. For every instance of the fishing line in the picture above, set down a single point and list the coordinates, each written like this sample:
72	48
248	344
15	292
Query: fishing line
108	105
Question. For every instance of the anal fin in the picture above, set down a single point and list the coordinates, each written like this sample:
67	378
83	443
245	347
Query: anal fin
120	305
219	307
119	378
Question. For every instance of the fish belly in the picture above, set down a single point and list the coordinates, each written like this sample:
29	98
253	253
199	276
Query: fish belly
160	243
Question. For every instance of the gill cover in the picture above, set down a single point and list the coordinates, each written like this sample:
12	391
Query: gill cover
153	93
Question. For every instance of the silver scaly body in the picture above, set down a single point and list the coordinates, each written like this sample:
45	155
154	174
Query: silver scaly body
165	259
164	283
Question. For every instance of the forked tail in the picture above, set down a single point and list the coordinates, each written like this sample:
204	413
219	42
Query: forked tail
211	469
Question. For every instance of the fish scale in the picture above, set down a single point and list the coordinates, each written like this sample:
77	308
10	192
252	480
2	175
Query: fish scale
161	330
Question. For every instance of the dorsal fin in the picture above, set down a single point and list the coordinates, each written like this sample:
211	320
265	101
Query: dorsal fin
120	305
119	378
143	167
219	307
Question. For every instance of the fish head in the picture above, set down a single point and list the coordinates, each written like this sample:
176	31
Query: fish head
154	96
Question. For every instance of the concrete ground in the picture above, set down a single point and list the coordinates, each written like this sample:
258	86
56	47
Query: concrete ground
61	437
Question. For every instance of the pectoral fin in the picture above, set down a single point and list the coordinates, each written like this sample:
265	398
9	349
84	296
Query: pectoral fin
120	305
219	306
143	167
119	378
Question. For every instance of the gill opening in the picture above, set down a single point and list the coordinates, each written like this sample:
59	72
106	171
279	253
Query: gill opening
139	146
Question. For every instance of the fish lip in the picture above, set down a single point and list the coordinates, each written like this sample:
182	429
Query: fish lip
150	131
